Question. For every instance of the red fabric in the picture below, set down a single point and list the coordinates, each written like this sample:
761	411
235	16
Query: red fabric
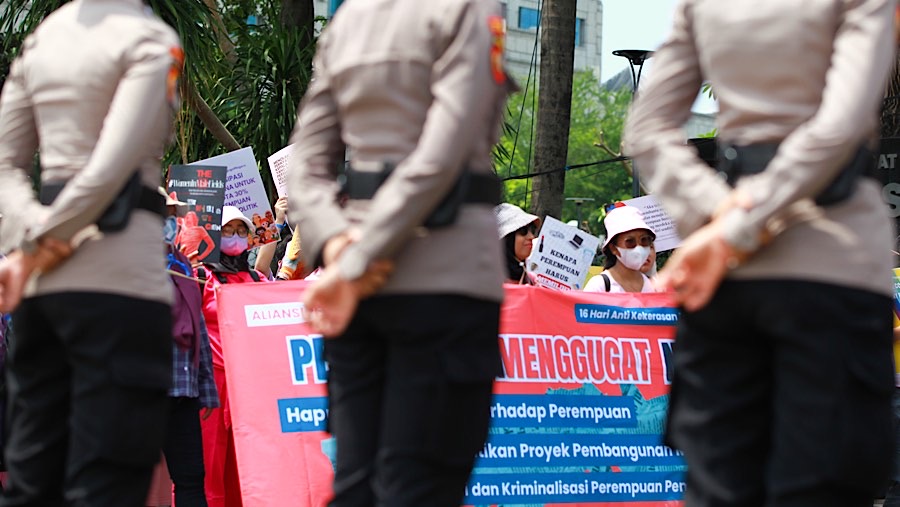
211	313
223	486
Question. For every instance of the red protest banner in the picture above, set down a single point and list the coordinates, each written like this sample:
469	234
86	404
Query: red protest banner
577	414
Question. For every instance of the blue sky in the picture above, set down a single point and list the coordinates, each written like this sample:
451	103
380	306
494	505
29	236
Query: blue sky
637	24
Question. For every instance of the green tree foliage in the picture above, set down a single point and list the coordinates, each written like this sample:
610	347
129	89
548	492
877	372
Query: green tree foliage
597	118
242	60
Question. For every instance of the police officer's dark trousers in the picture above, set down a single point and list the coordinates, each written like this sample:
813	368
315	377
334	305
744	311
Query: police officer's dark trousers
409	387
782	396
88	378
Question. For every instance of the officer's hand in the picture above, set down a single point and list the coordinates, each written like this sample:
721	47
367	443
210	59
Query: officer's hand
697	267
330	302
205	413
735	200
14	273
336	245
374	278
50	253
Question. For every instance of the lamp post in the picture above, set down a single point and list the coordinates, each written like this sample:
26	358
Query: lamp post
636	58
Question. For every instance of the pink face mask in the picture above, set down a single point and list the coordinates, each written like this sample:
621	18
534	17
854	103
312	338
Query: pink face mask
233	245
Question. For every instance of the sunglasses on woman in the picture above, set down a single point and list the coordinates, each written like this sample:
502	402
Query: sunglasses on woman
631	242
523	231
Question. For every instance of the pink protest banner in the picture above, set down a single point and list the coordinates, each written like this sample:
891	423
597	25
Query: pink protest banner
276	388
576	419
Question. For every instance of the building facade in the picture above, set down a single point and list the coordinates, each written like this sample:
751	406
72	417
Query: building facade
522	44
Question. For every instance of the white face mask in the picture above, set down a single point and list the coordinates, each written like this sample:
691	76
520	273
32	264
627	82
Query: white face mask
633	258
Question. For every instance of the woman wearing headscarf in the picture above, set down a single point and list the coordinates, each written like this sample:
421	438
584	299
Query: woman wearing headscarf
222	482
517	230
628	249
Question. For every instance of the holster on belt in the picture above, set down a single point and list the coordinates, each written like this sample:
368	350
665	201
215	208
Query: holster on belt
470	188
737	161
116	217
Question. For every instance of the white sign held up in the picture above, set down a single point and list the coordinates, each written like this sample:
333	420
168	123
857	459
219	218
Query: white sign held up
562	255
244	189
666	236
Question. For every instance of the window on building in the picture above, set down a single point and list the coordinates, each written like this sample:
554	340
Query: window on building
528	18
579	32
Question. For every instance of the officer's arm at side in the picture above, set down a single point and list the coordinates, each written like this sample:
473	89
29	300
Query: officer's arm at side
18	143
138	122
462	86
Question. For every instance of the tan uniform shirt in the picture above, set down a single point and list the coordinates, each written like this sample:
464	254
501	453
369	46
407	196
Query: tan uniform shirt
412	83
808	74
93	89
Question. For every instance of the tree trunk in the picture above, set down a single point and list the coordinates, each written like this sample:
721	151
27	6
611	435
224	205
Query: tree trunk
299	14
554	106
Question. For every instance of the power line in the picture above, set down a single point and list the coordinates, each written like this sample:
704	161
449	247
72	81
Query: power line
566	168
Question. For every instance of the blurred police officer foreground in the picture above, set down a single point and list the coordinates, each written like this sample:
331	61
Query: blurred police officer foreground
93	90
783	375
411	290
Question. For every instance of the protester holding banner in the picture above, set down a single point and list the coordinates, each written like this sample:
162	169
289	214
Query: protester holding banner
222	482
783	375
628	252
94	89
417	91
517	231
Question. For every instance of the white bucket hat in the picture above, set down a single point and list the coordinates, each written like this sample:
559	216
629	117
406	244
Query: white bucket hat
230	213
511	218
623	219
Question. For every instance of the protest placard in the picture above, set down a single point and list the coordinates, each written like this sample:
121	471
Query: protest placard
656	217
202	187
562	256
244	189
278	165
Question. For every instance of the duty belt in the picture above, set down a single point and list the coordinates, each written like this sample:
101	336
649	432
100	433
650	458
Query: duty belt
470	188
134	195
737	161
479	187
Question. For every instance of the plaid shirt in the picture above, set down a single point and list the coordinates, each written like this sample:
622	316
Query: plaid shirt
194	382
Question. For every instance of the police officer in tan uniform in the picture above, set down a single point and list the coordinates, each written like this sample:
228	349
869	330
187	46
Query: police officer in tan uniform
783	376
93	89
414	91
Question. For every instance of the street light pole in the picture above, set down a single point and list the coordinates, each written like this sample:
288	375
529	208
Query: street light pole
636	58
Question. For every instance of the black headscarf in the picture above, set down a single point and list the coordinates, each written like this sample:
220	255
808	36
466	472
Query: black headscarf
515	268
231	263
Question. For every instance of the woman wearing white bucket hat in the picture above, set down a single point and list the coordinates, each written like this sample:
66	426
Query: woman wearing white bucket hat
517	230
628	248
